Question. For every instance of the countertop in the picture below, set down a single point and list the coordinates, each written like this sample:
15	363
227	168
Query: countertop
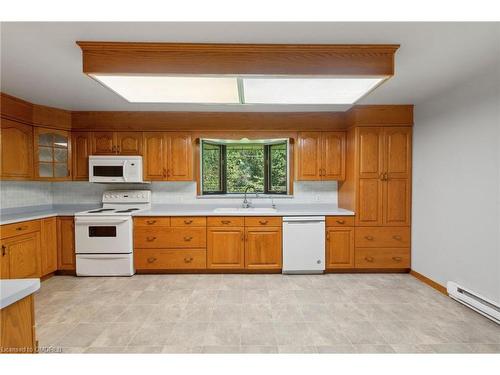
14	290
9	216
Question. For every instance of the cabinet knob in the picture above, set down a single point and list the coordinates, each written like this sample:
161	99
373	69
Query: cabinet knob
263	222
151	238
3	250
397	259
369	259
151	259
188	238
188	221
22	228
369	238
226	221
340	221
188	260
150	222
397	237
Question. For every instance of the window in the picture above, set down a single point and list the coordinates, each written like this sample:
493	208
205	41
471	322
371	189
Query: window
231	166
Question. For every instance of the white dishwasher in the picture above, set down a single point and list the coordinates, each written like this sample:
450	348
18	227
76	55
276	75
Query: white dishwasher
303	244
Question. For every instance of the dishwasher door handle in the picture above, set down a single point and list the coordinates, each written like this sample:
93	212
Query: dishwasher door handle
303	219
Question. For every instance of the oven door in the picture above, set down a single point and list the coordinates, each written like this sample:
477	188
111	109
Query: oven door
103	235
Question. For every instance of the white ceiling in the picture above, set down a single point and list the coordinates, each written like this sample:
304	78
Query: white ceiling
41	63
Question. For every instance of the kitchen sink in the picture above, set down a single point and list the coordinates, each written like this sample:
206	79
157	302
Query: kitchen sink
238	210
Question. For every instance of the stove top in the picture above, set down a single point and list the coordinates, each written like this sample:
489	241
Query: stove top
123	202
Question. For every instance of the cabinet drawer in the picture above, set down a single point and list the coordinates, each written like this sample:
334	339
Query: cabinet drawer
23	227
340	221
225	221
187	221
262	221
170	259
158	221
382	237
169	237
382	258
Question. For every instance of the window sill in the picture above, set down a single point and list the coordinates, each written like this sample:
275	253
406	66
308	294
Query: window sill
241	196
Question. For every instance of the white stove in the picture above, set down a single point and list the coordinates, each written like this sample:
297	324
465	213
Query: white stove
103	236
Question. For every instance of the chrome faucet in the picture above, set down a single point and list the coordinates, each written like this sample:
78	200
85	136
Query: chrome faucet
246	203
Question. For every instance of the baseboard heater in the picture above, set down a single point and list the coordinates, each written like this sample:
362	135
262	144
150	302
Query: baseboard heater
482	305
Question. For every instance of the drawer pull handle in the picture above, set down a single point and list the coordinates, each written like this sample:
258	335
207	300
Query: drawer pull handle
151	238
188	238
22	228
3	250
397	259
397	237
151	259
263	222
369	238
188	260
188	221
340	221
369	259
150	222
226	221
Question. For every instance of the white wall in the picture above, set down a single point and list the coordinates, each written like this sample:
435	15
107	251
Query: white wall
456	185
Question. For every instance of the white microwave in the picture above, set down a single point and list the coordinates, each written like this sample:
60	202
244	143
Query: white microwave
115	168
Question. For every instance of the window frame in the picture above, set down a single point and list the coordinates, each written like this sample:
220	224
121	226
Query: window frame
267	143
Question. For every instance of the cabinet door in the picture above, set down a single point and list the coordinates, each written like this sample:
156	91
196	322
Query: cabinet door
180	157
129	143
16	145
225	248
340	247
24	255
52	154
65	243
397	186
309	156
155	156
370	145
18	327
370	202
263	248
103	143
333	162
48	245
81	144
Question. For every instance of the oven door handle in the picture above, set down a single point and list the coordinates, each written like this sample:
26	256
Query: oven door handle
93	221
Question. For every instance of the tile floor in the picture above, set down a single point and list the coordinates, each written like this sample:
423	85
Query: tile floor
334	313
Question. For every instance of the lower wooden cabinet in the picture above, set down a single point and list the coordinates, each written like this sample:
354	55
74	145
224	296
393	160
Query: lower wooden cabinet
383	258
175	259
20	257
263	248
339	247
48	246
66	243
18	327
226	248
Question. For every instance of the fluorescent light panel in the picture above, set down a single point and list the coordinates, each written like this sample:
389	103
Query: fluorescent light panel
252	90
307	90
164	89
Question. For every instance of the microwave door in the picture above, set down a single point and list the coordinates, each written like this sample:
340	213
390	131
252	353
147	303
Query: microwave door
125	171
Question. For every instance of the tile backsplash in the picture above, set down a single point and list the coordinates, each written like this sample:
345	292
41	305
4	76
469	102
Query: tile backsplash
19	194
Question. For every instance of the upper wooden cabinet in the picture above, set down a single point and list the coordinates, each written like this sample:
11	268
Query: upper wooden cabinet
117	143
168	156
52	154
81	149
384	176
320	156
16	144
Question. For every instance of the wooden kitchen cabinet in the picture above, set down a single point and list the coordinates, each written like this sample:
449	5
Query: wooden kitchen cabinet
384	171
117	143
66	243
339	247
16	145
18	327
81	149
20	257
226	248
52	154
48	245
321	156
263	248
168	156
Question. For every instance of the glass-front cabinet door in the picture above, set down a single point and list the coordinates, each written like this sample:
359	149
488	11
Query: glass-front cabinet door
52	154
